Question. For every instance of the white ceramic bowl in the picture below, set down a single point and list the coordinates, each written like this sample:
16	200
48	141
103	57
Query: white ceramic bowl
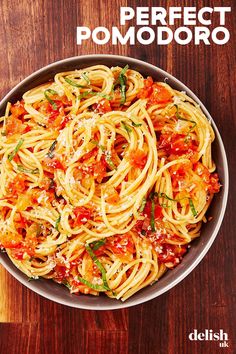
199	247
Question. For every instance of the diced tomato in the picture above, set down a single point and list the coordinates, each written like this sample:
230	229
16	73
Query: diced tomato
89	154
211	180
14	126
21	221
11	241
64	122
82	215
18	254
18	109
121	244
171	255
54	163
112	195
178	175
159	95
61	272
103	106
214	185
177	144
138	158
100	169
18	185
147	90
157	213
156	93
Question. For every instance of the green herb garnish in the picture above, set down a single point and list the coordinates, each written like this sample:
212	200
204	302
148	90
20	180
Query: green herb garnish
57	223
98	145
51	149
15	151
66	284
52	92
136	124
194	211
163	195
27	170
122	79
185	120
73	83
99	265
110	162
93	93
85	77
152	221
91	285
127	128
98	244
142	206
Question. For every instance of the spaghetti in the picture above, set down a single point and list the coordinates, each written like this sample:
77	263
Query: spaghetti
106	178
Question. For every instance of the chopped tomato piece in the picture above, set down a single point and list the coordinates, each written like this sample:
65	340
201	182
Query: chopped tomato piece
64	122
82	215
156	93
171	255
112	195
19	253
18	185
157	213
18	109
177	144
20	220
211	180
90	154
138	158
103	106
14	126
54	163
100	170
147	90
159	95
61	272
178	175
121	244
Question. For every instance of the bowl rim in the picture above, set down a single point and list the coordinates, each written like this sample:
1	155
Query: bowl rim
118	304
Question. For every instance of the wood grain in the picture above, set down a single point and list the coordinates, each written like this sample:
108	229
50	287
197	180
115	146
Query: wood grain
35	33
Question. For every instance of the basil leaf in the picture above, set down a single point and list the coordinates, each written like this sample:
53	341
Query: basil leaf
100	146
92	286
15	151
72	83
85	77
57	223
99	265
136	124
51	149
98	244
142	206
122	79
185	120
27	170
194	211
152	220
163	195
127	128
110	162
52	92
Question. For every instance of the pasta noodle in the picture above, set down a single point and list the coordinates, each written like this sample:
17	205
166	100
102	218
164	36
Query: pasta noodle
105	179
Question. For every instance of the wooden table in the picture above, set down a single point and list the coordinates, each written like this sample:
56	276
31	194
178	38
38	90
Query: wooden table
35	33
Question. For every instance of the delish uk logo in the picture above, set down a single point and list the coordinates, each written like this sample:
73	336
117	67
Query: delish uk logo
210	335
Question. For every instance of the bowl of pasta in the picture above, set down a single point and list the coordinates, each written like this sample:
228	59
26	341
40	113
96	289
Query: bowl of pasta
114	182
